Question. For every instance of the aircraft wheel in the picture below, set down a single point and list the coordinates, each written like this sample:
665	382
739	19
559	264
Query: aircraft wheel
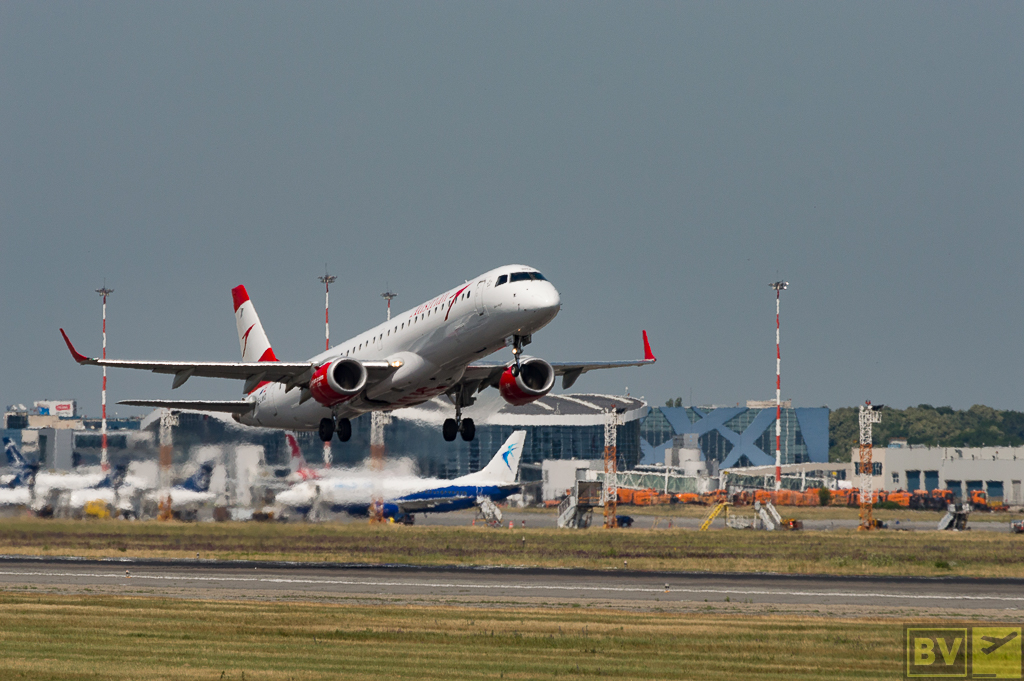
449	430
468	430
344	430
326	429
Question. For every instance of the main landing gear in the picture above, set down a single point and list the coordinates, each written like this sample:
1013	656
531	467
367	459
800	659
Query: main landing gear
457	425
328	428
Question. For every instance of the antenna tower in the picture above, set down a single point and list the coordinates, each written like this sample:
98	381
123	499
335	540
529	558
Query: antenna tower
388	295
779	287
104	460
868	414
327	280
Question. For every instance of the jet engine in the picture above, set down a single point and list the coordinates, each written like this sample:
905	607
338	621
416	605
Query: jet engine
535	380
337	381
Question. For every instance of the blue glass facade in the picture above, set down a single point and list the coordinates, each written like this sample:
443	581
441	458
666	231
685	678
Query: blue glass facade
739	436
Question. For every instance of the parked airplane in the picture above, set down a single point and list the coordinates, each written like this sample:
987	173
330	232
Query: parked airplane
300	470
187	497
403	496
16	489
429	350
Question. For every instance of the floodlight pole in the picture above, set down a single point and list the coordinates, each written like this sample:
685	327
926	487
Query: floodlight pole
388	295
327	281
779	287
104	459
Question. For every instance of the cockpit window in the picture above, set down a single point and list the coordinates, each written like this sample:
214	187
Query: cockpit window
501	280
526	276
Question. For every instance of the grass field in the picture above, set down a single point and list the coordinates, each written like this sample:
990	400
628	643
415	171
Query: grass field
117	637
980	554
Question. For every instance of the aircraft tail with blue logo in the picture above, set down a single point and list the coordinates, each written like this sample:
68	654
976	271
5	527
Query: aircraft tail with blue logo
503	468
14	457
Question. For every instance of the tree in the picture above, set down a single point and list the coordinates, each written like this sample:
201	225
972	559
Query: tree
824	496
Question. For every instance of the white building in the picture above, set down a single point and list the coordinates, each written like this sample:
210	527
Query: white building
997	470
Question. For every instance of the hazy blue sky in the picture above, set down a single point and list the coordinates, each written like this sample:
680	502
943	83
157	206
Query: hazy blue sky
661	163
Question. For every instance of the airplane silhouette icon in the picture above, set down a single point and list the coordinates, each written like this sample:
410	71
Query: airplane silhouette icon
997	643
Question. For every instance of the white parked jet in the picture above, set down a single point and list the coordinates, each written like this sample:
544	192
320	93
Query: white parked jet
431	349
403	496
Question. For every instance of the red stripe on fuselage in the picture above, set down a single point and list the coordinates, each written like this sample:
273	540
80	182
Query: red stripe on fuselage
454	298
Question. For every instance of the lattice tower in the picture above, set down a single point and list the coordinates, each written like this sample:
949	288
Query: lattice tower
611	487
868	416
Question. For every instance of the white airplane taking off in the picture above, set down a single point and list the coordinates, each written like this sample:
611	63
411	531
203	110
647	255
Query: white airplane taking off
430	350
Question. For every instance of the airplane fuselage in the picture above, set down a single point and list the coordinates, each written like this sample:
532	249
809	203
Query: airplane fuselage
434	342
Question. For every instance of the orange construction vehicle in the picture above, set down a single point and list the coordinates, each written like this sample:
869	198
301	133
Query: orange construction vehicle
941	499
900	497
689	498
979	500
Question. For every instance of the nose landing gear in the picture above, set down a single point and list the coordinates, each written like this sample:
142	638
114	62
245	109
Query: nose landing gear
517	350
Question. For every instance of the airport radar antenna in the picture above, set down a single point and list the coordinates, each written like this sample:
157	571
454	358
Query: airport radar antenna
327	280
779	287
104	457
388	296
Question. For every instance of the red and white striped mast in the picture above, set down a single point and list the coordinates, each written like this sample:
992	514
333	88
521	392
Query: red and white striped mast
779	287
327	281
104	459
388	296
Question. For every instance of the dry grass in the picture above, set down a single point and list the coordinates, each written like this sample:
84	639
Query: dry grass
980	554
118	637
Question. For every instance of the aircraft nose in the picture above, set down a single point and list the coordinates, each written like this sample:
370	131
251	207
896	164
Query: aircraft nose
545	299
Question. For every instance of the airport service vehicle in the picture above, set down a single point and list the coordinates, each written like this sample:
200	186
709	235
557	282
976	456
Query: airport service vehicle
402	496
432	349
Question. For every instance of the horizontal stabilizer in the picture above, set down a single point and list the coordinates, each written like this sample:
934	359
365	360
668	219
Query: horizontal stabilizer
229	406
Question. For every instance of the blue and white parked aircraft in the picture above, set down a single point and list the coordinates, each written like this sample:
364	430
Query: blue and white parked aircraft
16	489
403	496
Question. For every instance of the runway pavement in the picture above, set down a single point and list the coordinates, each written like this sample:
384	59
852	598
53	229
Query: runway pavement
406	584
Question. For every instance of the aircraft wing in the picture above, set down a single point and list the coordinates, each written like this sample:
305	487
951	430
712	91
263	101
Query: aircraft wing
488	375
292	374
228	406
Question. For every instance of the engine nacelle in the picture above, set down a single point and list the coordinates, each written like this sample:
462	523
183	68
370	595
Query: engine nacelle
337	381
535	380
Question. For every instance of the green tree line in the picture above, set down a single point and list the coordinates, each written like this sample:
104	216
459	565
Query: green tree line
927	425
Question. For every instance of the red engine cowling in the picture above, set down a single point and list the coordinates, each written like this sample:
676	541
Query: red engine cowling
535	380
337	381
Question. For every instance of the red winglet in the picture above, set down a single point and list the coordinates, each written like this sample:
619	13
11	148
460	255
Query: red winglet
79	357
648	355
239	296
